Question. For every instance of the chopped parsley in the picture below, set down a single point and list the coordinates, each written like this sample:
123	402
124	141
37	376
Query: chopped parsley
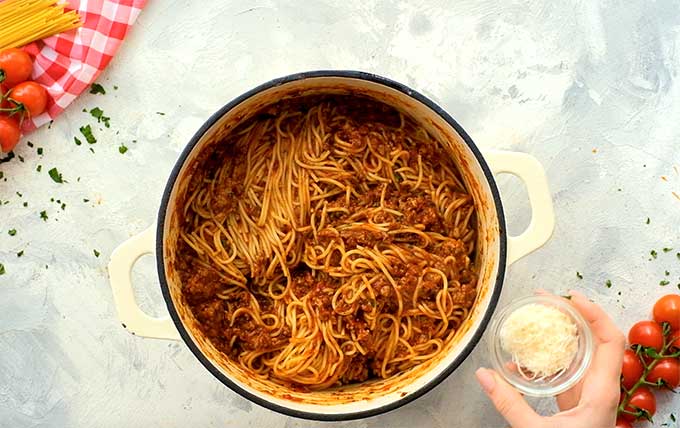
2	269
667	250
160	113
38	168
664	283
667	273
98	114
12	232
96	88
608	284
96	253
2	174
19	194
578	275
20	253
25	204
40	150
673	417
77	141
29	144
55	175
86	200
43	215
648	220
115	88
122	149
653	253
7	158
87	133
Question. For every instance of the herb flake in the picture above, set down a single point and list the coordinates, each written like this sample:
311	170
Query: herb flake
578	275
664	283
653	254
98	114
12	232
96	88
122	149
608	283
43	215
96	253
20	253
2	269
87	133
55	175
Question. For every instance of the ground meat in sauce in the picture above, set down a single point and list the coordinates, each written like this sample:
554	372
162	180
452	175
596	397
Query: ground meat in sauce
233	334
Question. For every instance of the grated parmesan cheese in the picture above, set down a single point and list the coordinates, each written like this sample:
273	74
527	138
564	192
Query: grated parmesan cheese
542	340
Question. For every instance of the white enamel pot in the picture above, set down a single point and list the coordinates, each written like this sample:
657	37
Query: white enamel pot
496	249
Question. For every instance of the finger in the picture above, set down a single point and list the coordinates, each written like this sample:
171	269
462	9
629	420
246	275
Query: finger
601	386
509	403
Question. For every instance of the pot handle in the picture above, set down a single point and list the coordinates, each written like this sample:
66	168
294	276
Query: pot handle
131	316
528	169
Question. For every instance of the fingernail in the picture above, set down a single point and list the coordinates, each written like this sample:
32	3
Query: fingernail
485	379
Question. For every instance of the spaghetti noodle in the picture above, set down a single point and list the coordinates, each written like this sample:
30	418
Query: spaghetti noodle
25	21
328	241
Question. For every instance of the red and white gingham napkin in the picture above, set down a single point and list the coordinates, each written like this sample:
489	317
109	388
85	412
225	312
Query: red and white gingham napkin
68	63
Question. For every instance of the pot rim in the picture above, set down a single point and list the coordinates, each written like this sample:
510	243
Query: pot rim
435	381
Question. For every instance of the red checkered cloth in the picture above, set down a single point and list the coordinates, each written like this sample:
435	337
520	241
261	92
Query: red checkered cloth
68	63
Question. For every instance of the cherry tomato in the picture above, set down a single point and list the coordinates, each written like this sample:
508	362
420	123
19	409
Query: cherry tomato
631	370
10	133
674	339
642	399
31	95
16	66
667	309
667	369
646	333
622	423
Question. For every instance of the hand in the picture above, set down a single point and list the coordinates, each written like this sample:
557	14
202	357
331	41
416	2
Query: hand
591	403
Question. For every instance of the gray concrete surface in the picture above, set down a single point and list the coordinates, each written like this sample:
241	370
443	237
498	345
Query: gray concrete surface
589	87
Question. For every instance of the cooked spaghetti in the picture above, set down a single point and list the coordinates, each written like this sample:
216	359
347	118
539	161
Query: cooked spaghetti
328	241
25	21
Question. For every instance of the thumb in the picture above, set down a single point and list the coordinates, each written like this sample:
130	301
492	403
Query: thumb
507	400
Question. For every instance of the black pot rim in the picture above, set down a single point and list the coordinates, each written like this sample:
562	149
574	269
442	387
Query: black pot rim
352	74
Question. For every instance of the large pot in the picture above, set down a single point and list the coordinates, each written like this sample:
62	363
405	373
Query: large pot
496	249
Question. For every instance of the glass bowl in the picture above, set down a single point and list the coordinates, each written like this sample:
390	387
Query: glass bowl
502	361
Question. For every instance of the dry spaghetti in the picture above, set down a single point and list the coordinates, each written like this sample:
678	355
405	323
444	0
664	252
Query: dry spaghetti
328	241
25	21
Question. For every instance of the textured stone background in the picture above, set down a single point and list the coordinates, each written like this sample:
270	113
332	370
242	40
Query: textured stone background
588	87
